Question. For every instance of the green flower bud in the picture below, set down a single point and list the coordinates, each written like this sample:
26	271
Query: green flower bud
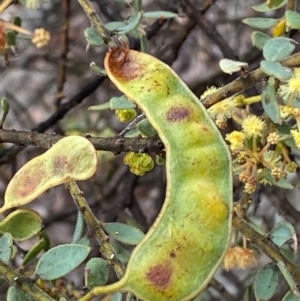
126	115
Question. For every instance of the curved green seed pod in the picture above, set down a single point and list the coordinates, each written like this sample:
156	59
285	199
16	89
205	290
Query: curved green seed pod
186	244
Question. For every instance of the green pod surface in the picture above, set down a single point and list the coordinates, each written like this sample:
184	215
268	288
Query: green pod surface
186	244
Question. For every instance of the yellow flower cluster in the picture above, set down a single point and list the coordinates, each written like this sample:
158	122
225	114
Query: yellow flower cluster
242	258
291	166
236	140
223	110
296	136
285	111
259	146
253	126
290	91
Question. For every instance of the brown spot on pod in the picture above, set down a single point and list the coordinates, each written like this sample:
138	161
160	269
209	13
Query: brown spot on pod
29	184
60	164
123	64
160	275
177	114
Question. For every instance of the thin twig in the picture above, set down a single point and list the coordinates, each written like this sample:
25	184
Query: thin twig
96	228
97	23
131	125
4	5
245	81
208	28
64	52
108	144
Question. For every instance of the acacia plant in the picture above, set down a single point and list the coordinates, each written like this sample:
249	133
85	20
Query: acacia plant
220	153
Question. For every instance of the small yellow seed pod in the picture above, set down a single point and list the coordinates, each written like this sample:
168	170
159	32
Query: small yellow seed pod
126	115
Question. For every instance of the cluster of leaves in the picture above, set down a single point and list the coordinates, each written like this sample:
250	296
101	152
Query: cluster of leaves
261	146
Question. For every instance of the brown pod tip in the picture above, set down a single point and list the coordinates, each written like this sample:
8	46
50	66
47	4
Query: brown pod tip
122	63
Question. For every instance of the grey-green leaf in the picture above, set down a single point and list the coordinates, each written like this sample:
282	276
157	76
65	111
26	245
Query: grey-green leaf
159	14
290	296
14	294
261	23
93	37
277	49
112	26
276	69
83	241
121	103
287	276
78	227
6	247
133	133
124	233
61	260
230	66
265	8
34	251
102	107
96	272
146	128
282	183
259	39
284	133
282	233
131	24
266	282
292	19
270	101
